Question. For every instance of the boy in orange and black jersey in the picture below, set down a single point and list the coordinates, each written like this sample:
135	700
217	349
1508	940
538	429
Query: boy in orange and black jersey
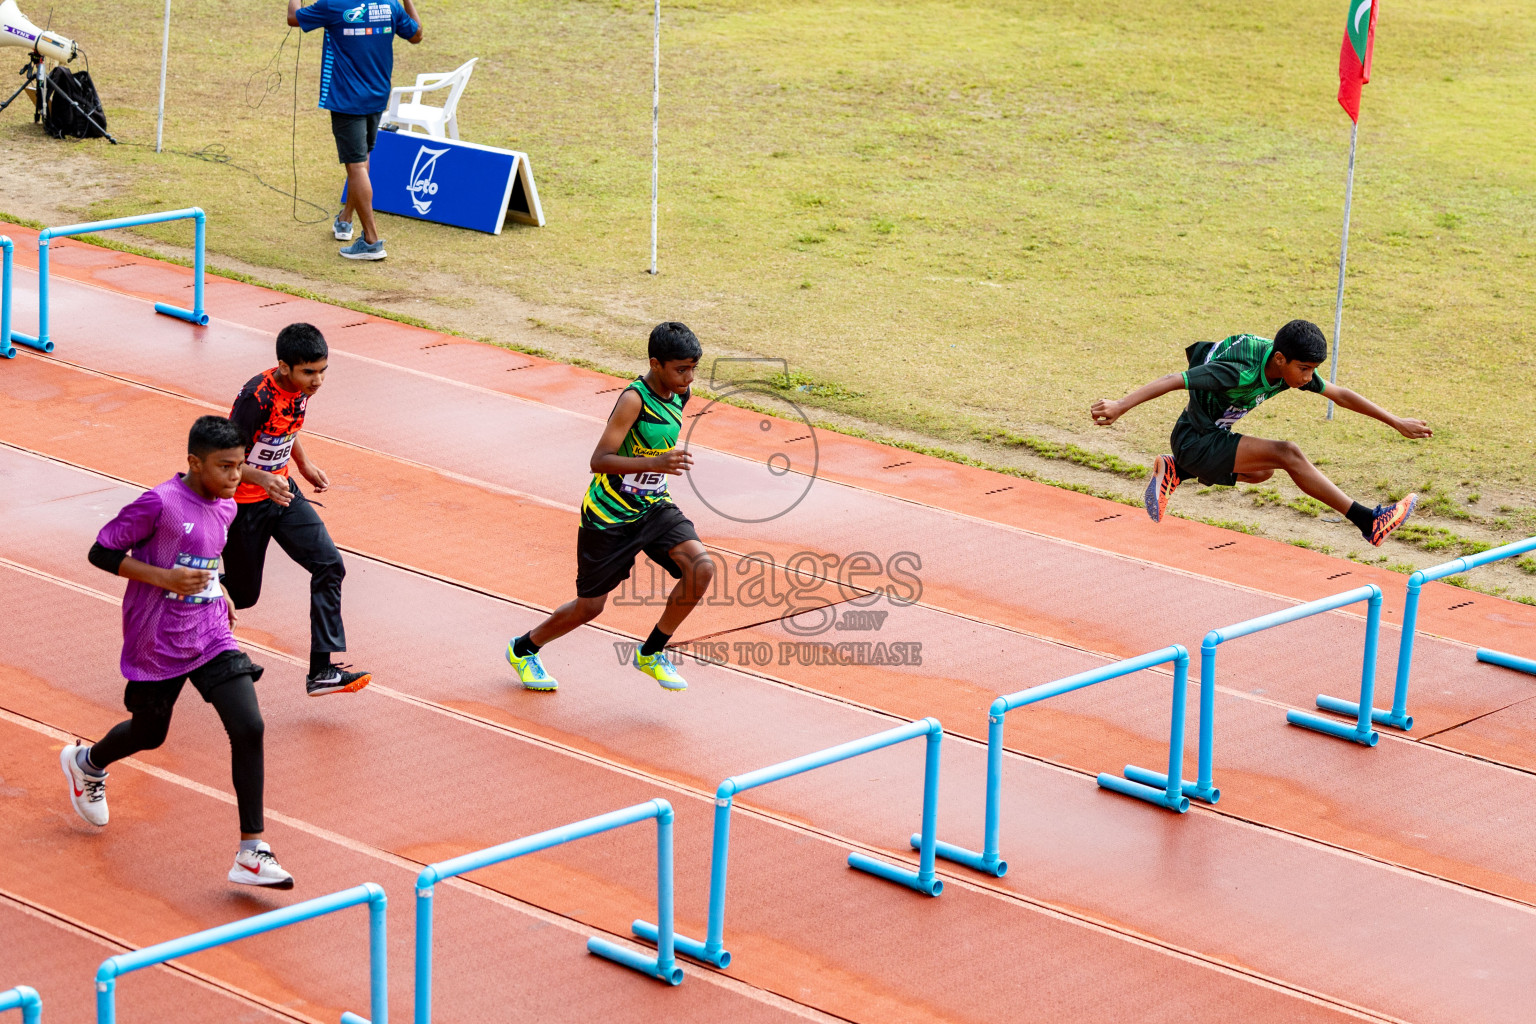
269	413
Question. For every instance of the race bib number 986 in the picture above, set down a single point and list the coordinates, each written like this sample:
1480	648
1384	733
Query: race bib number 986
271	451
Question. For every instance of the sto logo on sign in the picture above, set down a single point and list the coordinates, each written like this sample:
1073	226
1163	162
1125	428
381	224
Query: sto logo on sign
422	186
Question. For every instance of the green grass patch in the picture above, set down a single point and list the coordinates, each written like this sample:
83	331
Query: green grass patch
1438	538
1005	208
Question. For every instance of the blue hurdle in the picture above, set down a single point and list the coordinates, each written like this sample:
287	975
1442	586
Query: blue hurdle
990	861
1506	660
712	950
196	315
1398	717
24	999
7	350
114	967
662	966
1204	788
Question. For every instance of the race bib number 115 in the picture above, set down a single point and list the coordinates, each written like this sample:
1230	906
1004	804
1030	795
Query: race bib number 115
649	485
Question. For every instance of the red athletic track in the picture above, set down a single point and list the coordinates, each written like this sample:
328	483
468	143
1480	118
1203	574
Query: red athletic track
1111	908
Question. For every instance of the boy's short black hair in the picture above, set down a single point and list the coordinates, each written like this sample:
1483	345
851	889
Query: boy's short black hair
213	434
301	343
1302	341
672	340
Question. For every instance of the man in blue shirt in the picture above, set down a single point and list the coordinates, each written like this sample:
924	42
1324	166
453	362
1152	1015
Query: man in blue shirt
356	63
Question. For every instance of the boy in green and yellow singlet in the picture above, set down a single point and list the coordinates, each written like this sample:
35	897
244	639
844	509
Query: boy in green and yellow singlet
627	510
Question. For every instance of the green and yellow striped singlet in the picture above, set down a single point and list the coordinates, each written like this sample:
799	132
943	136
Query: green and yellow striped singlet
613	499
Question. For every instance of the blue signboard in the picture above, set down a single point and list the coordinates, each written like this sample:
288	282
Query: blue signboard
450	182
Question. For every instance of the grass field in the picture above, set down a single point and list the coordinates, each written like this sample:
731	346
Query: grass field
964	219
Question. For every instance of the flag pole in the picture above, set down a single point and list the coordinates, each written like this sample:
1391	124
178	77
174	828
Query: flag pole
655	129
1338	303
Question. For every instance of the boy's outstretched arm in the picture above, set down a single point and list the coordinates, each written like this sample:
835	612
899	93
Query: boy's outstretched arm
1347	399
604	460
1107	410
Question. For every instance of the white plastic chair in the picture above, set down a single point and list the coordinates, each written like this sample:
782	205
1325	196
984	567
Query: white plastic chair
438	122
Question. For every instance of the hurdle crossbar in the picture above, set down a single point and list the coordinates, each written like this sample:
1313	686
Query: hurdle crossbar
1398	717
989	860
196	315
114	967
662	966
24	999
712	950
1204	788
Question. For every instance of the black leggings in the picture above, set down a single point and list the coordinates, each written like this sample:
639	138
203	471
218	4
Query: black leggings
235	701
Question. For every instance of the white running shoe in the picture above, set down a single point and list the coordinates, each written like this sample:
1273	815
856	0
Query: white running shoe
259	867
87	793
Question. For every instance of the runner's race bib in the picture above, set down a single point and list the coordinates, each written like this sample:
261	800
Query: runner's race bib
209	593
271	451
652	484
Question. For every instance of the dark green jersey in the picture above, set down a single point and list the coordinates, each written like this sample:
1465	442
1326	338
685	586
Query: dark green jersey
1226	381
613	499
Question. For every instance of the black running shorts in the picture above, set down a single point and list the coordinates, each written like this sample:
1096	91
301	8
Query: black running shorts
355	135
1208	456
159	696
604	558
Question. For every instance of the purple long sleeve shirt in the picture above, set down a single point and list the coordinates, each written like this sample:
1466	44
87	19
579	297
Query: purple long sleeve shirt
165	635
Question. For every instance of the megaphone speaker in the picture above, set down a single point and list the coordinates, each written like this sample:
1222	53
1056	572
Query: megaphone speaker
16	30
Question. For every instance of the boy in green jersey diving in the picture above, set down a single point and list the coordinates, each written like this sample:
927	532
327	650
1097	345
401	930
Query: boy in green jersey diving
1226	381
627	510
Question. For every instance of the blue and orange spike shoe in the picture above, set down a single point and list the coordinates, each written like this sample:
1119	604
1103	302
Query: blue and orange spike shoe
1165	479
1387	518
659	667
531	671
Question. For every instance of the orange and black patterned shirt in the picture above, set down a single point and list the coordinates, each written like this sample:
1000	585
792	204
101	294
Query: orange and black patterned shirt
268	417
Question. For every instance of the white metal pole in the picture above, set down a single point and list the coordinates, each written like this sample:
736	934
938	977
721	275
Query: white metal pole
655	130
165	52
1338	302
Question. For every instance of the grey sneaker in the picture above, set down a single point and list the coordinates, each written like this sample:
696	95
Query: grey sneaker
361	250
342	229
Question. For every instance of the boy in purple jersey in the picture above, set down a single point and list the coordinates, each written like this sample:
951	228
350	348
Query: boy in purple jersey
177	626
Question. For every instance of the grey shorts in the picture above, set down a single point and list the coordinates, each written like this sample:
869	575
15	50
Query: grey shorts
355	135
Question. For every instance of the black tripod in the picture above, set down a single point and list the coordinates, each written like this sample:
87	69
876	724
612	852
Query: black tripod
31	74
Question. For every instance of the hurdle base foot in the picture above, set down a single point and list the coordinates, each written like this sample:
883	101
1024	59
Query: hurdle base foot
1329	727
1159	781
648	965
348	1017
1178	804
929	886
987	864
31	341
1493	657
691	948
197	317
1351	709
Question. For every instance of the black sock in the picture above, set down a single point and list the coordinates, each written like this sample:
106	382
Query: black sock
655	642
524	645
319	661
1362	517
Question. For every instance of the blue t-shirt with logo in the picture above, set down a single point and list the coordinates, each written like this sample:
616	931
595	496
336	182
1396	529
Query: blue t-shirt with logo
358	57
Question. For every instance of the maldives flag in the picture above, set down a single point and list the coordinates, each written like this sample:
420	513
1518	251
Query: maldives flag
1355	55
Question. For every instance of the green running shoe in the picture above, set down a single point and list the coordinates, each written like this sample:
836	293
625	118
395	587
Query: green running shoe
531	671
659	667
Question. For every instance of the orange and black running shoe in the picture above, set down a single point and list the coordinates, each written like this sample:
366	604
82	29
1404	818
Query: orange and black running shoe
1387	518
1165	478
